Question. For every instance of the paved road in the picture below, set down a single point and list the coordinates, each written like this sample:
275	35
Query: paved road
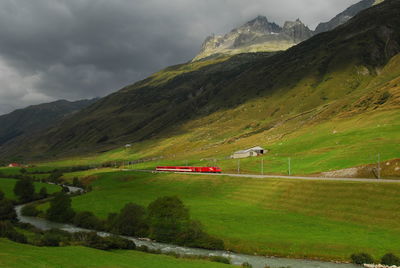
278	177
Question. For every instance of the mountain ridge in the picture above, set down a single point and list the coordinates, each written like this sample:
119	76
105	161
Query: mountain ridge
260	35
37	117
256	35
345	15
226	101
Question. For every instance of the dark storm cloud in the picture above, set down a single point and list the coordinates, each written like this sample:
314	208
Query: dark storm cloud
73	49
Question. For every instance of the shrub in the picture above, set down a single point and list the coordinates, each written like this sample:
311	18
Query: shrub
60	209
25	189
7	230
5	227
91	239
1	195
54	237
247	265
43	192
55	176
76	182
30	210
117	242
7	211
362	258
87	220
220	259
168	218
390	259
17	237
143	248
131	221
194	236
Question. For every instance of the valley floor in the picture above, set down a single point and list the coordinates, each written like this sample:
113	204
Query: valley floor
304	219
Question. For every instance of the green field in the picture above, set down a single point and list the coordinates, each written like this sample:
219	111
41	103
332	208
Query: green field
327	220
13	255
332	146
7	186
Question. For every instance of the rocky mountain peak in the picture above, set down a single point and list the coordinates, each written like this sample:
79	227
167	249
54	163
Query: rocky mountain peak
258	34
258	25
297	30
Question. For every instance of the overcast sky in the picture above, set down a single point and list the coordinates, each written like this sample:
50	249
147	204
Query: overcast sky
75	49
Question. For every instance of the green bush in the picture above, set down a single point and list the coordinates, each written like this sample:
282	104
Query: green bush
362	258
117	242
131	221
220	259
54	238
17	237
88	220
390	259
30	210
43	192
168	218
7	211
60	209
25	189
247	265
194	236
143	248
93	240
5	228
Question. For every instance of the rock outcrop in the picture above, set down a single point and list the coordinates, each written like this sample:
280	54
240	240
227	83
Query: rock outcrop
255	36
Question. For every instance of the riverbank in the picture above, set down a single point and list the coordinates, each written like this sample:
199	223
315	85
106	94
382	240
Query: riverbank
236	259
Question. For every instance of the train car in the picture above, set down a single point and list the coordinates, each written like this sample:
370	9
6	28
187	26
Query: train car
190	169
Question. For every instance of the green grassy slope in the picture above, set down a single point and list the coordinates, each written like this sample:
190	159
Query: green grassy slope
328	220
13	255
209	109
7	186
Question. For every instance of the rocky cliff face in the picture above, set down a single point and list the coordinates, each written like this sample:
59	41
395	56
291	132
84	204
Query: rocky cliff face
346	15
254	36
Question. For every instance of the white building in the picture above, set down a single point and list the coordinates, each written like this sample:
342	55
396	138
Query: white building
255	151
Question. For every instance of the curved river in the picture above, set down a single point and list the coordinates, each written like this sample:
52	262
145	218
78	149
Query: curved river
236	259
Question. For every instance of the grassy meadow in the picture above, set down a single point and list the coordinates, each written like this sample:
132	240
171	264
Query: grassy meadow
14	255
313	219
7	186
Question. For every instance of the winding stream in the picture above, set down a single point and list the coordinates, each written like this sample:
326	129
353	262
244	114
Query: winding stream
236	259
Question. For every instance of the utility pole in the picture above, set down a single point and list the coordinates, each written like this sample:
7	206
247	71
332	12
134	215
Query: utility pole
379	166
262	166
290	172
238	166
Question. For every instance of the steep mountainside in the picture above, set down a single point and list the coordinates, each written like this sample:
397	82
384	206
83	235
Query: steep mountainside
37	117
211	107
345	15
256	35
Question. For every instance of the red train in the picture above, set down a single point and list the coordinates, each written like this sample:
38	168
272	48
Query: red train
190	169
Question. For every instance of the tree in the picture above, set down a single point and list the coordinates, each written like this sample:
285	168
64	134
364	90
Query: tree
55	176
7	211
87	220
168	218
60	208
76	182
25	189
43	192
131	221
